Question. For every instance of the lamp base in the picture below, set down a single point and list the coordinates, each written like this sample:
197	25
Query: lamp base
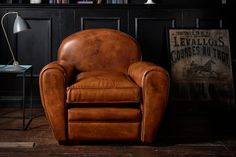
14	67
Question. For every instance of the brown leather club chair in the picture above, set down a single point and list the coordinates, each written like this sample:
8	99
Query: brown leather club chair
99	89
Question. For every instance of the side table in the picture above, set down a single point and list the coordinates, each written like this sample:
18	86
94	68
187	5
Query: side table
7	69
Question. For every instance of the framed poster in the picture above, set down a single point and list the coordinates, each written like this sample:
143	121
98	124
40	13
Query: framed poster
200	65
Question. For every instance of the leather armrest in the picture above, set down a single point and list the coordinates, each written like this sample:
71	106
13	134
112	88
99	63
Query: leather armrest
68	70
137	71
53	80
154	82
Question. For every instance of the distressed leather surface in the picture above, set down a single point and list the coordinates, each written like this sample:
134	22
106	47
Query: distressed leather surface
52	84
99	89
100	50
103	87
154	82
115	114
105	131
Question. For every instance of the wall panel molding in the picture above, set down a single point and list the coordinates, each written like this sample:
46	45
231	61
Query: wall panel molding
140	19
35	43
99	20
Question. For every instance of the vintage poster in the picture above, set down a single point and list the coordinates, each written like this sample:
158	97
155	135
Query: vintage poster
201	67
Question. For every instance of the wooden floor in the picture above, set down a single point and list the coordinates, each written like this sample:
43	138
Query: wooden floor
45	145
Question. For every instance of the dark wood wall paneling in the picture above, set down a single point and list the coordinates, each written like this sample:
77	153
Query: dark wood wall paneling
102	18
148	24
37	46
150	27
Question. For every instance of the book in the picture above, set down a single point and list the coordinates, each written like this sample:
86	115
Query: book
59	1
9	1
85	2
65	2
52	1
117	1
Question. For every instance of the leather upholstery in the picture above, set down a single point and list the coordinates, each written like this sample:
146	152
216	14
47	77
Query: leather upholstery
154	82
99	89
104	114
103	87
106	131
100	50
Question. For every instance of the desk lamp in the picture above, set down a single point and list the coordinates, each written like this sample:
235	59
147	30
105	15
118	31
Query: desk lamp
19	26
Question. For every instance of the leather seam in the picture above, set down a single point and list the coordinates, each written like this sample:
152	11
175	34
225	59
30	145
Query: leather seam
103	102
138	122
97	88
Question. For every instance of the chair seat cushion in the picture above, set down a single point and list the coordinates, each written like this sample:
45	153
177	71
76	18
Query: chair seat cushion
103	87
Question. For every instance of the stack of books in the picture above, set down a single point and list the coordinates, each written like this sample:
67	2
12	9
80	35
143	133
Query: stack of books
59	2
11	1
117	1
8	1
85	2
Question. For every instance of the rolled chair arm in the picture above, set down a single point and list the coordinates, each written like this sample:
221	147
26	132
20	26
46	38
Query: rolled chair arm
53	81
155	83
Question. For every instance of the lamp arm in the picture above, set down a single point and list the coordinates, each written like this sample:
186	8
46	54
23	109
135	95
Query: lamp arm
4	31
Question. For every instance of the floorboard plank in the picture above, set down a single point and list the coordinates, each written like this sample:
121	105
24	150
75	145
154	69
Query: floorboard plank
17	144
40	142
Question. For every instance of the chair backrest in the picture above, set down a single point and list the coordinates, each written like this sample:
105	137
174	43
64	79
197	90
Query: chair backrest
100	49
